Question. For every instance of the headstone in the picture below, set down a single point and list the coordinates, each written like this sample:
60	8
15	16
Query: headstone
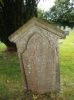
37	45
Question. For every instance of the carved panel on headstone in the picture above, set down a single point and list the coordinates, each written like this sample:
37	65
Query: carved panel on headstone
37	64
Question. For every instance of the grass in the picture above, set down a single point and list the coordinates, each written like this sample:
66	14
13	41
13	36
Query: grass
67	66
10	75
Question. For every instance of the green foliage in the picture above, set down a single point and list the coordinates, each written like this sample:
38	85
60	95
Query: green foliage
13	14
40	13
62	13
1	2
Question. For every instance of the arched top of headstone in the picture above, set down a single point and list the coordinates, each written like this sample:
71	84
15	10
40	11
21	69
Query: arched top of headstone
36	22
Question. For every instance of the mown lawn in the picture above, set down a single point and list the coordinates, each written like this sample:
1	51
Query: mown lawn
10	75
67	66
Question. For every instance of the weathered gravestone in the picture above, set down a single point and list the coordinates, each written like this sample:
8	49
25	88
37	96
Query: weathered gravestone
37	45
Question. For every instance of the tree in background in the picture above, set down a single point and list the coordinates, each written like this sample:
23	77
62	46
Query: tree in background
13	14
62	13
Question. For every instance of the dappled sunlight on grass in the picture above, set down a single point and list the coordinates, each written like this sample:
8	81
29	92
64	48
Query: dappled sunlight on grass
2	47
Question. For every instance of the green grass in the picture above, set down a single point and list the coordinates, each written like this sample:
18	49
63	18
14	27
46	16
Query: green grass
10	75
67	66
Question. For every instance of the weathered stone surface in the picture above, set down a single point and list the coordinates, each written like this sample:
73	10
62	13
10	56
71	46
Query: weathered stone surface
40	23
40	66
38	53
